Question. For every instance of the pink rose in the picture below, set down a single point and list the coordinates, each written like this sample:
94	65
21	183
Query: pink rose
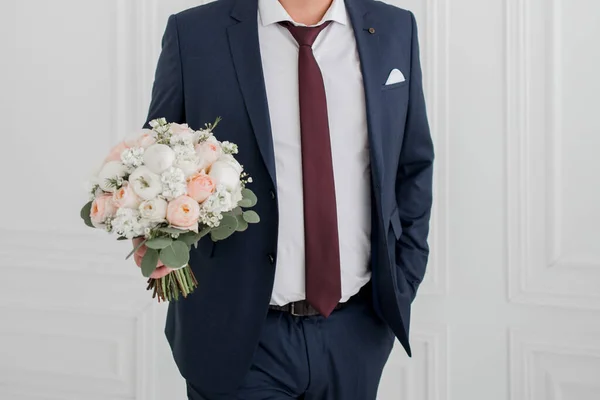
200	187
103	207
115	152
183	213
125	197
145	139
181	129
208	152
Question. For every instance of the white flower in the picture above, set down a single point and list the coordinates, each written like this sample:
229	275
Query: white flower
220	201
204	134
133	157
186	159
226	174
154	210
112	170
145	183
159	157
229	148
173	183
228	158
237	196
127	223
158	122
182	134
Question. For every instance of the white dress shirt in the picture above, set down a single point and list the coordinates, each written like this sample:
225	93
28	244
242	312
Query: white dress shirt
337	56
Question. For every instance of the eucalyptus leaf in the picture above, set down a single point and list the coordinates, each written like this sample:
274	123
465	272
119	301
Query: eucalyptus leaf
249	199
159	243
251	217
236	211
242	224
246	203
228	221
176	255
189	238
170	229
149	262
85	214
228	226
204	231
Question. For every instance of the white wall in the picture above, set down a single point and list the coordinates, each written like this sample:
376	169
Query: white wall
511	303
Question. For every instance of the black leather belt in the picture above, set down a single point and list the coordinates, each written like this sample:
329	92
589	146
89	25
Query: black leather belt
301	308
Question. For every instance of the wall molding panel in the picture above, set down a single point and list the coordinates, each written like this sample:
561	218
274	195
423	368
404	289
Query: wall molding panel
434	36
554	366
425	376
538	264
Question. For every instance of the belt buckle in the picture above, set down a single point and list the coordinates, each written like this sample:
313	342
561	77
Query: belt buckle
293	309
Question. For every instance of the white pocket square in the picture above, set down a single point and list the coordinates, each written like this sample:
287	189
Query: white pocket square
396	76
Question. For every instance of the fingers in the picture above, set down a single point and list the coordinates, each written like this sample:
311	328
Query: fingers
161	272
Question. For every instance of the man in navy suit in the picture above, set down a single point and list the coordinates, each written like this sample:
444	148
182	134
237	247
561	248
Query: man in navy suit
325	100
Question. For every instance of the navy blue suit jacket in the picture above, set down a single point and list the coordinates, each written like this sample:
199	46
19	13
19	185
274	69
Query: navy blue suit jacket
210	66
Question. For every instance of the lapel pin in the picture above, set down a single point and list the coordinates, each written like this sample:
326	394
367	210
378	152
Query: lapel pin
371	30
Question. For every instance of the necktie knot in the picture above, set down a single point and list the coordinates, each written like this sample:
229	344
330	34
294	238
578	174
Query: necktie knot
304	35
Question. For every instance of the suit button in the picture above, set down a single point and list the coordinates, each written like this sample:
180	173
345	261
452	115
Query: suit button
273	195
272	258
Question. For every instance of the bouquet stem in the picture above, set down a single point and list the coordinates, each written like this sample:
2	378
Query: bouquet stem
178	282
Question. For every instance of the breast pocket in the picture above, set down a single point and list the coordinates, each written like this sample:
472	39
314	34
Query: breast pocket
394	85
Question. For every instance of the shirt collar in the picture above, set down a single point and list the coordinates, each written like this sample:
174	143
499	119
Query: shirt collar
272	12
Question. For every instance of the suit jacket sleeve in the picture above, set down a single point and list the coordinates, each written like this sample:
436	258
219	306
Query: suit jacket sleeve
414	178
167	92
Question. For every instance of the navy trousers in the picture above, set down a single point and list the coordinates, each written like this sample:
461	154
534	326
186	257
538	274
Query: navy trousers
315	358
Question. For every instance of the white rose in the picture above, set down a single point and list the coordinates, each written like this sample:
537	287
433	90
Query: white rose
111	170
159	157
231	160
224	173
145	183
154	210
189	167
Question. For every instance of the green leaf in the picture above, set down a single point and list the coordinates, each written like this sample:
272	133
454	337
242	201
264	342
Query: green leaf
249	199
149	262
188	238
136	248
242	224
227	227
85	214
191	238
236	211
159	243
176	255
170	229
251	217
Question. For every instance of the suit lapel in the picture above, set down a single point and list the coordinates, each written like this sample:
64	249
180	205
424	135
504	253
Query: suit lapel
367	41
245	50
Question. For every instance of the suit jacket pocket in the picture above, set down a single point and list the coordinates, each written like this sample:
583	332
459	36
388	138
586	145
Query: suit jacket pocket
394	85
396	224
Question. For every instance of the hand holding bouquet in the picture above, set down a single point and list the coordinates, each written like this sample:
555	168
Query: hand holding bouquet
166	189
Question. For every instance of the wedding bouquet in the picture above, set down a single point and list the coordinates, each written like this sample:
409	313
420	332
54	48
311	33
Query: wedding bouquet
167	188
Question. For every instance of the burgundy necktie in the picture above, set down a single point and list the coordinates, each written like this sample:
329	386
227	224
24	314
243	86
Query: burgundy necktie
322	248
